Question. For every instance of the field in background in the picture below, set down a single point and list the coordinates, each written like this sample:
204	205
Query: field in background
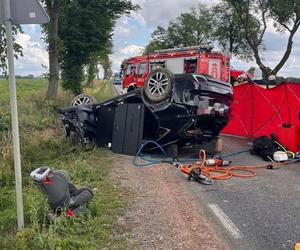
43	144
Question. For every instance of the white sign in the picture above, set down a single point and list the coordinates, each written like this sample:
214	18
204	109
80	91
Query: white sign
25	12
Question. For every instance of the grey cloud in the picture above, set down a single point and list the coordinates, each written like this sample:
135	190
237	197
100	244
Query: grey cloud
156	13
151	14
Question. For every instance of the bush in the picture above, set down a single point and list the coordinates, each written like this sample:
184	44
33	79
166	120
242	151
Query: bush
5	122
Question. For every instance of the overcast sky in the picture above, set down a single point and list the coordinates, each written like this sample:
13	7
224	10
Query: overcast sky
132	34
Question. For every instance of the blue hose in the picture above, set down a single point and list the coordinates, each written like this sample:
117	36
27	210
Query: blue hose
150	161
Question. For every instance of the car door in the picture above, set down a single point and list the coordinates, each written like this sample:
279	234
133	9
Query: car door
129	76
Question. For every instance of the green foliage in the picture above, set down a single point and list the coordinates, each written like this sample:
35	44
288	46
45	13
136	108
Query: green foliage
227	31
92	231
72	75
43	143
251	70
252	20
106	64
5	123
239	26
85	28
280	79
92	70
3	49
159	40
192	28
101	90
284	12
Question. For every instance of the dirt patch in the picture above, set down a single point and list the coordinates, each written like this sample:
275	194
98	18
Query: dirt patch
163	213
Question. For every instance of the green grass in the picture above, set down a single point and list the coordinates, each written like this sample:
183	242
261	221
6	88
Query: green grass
43	144
101	90
24	88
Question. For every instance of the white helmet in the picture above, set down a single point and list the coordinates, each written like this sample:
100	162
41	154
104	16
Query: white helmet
272	78
242	76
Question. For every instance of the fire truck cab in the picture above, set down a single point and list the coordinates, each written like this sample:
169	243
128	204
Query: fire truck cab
196	59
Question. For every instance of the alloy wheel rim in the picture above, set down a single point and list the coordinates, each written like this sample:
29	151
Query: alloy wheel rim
82	101
158	83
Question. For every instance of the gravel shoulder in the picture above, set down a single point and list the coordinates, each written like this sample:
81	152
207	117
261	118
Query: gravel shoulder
163	212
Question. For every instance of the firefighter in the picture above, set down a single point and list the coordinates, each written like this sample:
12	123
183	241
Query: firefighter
271	82
241	79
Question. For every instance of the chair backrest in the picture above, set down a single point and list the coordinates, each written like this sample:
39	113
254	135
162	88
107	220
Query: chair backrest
56	190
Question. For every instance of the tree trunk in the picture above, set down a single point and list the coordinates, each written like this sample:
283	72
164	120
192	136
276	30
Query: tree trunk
105	71
92	69
106	65
288	49
53	11
98	72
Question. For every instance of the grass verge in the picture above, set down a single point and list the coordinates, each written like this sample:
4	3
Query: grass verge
43	143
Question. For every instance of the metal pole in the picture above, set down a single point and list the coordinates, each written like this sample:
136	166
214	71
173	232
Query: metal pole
14	113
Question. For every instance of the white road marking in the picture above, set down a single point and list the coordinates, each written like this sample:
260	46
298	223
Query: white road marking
227	223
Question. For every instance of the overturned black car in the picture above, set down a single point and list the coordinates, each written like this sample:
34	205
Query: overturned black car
172	110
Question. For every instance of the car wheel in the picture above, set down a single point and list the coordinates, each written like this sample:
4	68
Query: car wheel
131	88
83	99
158	86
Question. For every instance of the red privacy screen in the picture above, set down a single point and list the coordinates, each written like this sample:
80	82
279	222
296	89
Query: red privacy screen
257	111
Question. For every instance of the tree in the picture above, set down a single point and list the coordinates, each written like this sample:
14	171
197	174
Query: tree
226	30
106	65
253	19
251	70
92	70
192	28
51	37
3	49
159	40
103	59
85	28
123	64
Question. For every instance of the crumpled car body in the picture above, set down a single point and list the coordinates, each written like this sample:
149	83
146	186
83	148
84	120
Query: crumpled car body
197	109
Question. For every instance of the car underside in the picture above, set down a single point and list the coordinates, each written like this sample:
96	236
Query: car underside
183	109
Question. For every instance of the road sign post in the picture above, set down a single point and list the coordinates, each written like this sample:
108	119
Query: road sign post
14	113
18	12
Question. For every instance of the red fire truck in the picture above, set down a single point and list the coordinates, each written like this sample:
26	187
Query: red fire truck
196	59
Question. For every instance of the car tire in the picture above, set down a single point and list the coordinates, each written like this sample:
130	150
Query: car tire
83	99
158	86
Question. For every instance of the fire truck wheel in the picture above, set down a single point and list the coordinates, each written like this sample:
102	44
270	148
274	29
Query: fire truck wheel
158	86
131	88
83	99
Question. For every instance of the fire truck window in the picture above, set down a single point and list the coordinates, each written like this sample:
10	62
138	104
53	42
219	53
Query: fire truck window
129	69
190	66
142	69
157	65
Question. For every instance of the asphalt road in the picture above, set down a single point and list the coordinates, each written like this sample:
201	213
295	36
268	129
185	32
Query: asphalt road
118	90
256	213
260	213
